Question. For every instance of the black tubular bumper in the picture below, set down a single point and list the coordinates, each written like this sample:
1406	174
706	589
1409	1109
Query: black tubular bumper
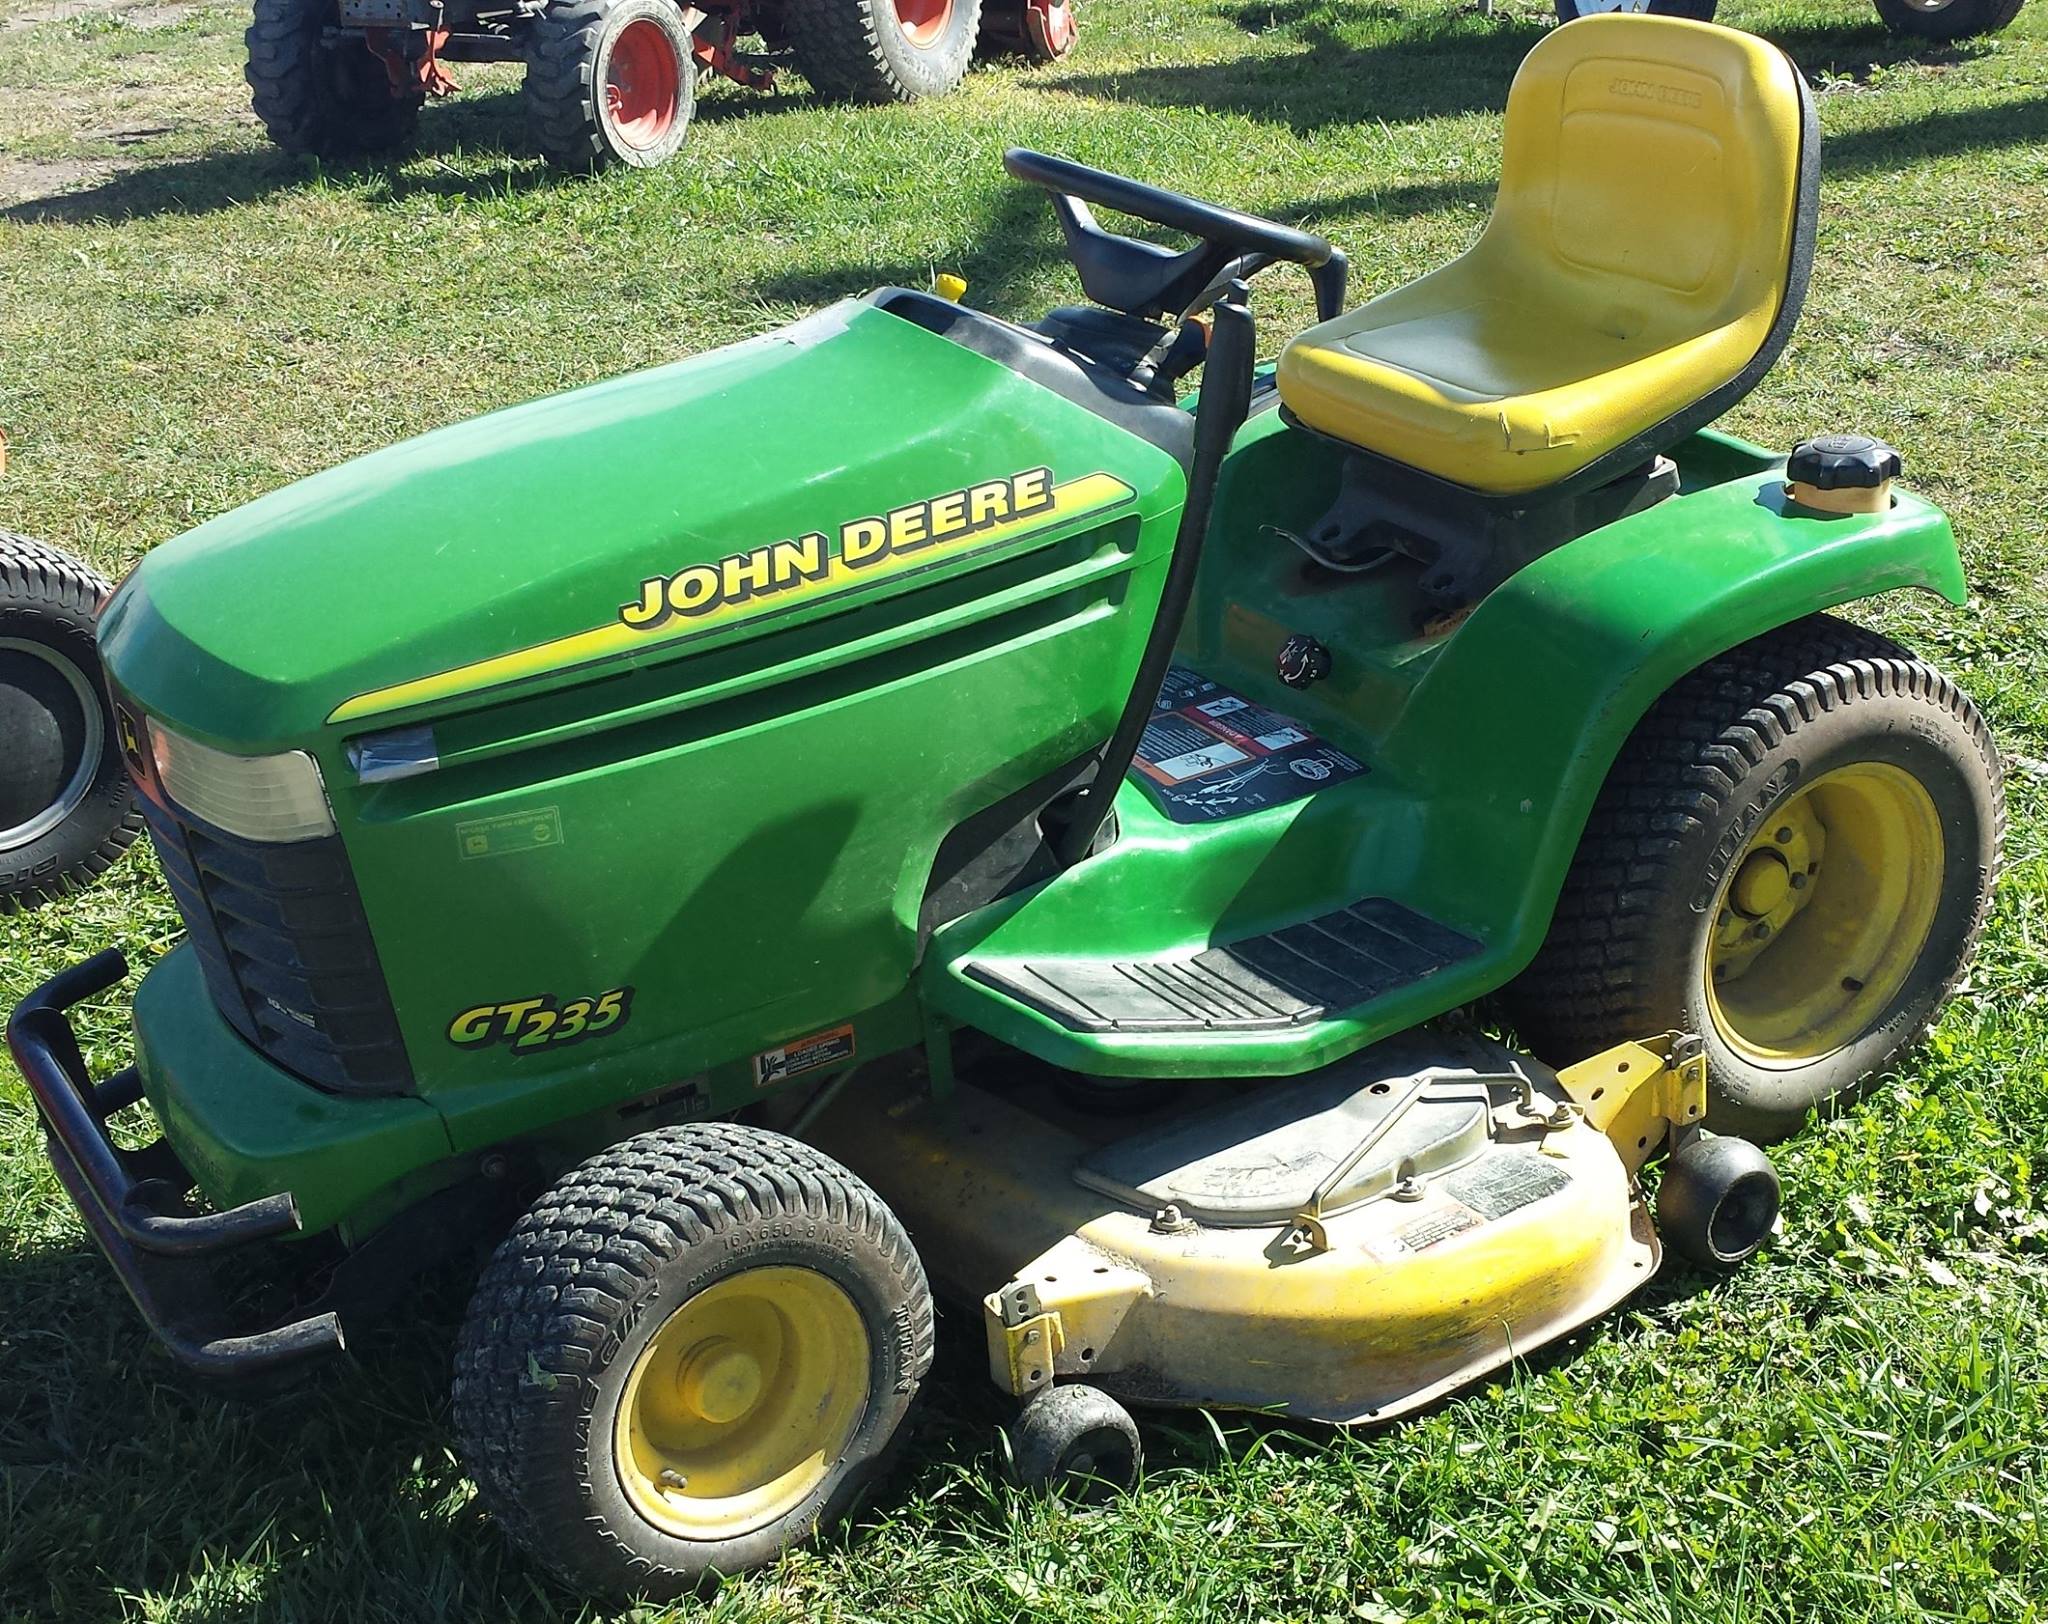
131	1199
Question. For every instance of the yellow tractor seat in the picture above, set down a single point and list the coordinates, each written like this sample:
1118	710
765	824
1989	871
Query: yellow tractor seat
1644	264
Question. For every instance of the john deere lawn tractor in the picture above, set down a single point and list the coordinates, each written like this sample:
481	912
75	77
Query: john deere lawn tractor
611	81
1004	826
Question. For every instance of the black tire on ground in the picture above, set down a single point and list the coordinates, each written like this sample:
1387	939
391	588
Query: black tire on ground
330	100
1076	1437
883	50
626	1266
1701	11
1711	775
66	808
1718	1201
1947	19
609	82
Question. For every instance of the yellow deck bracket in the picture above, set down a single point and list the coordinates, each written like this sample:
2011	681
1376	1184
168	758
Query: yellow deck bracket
1639	1094
1058	1315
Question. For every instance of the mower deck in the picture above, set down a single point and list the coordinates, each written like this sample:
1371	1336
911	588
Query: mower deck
1340	1247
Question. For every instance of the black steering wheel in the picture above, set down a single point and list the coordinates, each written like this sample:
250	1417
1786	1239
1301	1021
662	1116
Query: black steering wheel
1143	279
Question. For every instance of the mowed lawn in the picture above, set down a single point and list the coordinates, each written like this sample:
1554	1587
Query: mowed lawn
1855	1427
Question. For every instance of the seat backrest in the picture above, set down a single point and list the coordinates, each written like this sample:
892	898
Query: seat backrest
1661	177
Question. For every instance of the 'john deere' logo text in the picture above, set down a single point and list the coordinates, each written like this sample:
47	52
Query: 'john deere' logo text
863	544
1651	91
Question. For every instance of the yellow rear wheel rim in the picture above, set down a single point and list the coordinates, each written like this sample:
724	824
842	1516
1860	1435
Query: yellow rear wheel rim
1822	917
741	1403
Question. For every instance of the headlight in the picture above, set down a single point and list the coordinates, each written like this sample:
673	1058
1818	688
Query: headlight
276	797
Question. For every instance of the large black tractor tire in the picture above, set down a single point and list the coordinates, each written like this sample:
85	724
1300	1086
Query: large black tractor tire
1947	19
691	1353
1793	857
1701	11
883	50
329	99
609	82
66	809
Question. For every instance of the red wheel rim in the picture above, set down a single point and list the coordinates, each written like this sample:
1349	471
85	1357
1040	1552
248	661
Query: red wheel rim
923	20
643	85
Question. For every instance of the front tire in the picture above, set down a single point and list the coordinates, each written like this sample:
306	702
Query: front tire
329	100
690	1354
883	50
66	808
609	82
1792	856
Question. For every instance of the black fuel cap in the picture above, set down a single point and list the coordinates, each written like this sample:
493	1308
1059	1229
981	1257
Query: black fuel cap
1833	462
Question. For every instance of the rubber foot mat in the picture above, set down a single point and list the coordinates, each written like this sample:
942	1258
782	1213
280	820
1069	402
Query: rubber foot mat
1288	977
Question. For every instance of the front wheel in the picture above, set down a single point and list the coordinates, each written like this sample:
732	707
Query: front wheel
1947	19
883	50
327	96
689	1355
609	82
1793	857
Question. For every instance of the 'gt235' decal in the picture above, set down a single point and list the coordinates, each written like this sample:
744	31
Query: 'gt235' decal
984	520
525	1025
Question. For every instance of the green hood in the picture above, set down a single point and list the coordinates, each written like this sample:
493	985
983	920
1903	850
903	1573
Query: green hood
516	552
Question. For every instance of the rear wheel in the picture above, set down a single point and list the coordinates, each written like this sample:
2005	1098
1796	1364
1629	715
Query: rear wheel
327	98
66	810
1793	857
1035	30
609	82
1947	19
690	1354
883	50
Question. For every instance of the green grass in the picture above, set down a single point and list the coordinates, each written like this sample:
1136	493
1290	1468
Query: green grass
1854	1428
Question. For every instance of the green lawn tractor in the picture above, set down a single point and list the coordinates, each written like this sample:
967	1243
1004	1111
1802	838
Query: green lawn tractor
610	81
912	802
1936	20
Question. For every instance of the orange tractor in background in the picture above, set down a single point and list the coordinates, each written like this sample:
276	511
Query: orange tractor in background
610	81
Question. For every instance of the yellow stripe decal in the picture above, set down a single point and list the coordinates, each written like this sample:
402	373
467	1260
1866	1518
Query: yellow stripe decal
700	598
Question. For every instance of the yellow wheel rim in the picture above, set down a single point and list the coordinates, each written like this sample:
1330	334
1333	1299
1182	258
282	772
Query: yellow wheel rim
741	1403
1823	915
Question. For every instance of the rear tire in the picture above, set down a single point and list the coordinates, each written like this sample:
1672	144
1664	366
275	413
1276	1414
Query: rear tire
883	50
66	807
1947	19
328	101
609	82
690	1354
1792	856
1028	30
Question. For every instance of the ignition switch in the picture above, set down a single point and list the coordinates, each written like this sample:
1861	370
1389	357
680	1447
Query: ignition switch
1302	660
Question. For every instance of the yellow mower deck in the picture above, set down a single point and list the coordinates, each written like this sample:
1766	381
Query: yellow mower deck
1404	1274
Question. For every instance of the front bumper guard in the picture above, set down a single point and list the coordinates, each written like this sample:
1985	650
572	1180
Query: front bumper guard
131	1200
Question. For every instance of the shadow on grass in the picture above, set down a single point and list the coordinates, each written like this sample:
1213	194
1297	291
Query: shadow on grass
489	126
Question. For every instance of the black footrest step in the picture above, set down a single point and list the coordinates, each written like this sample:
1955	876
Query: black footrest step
1288	977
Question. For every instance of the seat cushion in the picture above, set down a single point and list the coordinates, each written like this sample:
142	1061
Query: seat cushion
1635	263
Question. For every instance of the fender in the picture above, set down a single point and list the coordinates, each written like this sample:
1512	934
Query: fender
1511	733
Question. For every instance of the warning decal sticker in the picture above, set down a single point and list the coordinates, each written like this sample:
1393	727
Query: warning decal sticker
829	1048
1499	1185
1209	753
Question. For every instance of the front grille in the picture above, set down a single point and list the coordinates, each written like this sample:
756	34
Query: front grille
280	932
